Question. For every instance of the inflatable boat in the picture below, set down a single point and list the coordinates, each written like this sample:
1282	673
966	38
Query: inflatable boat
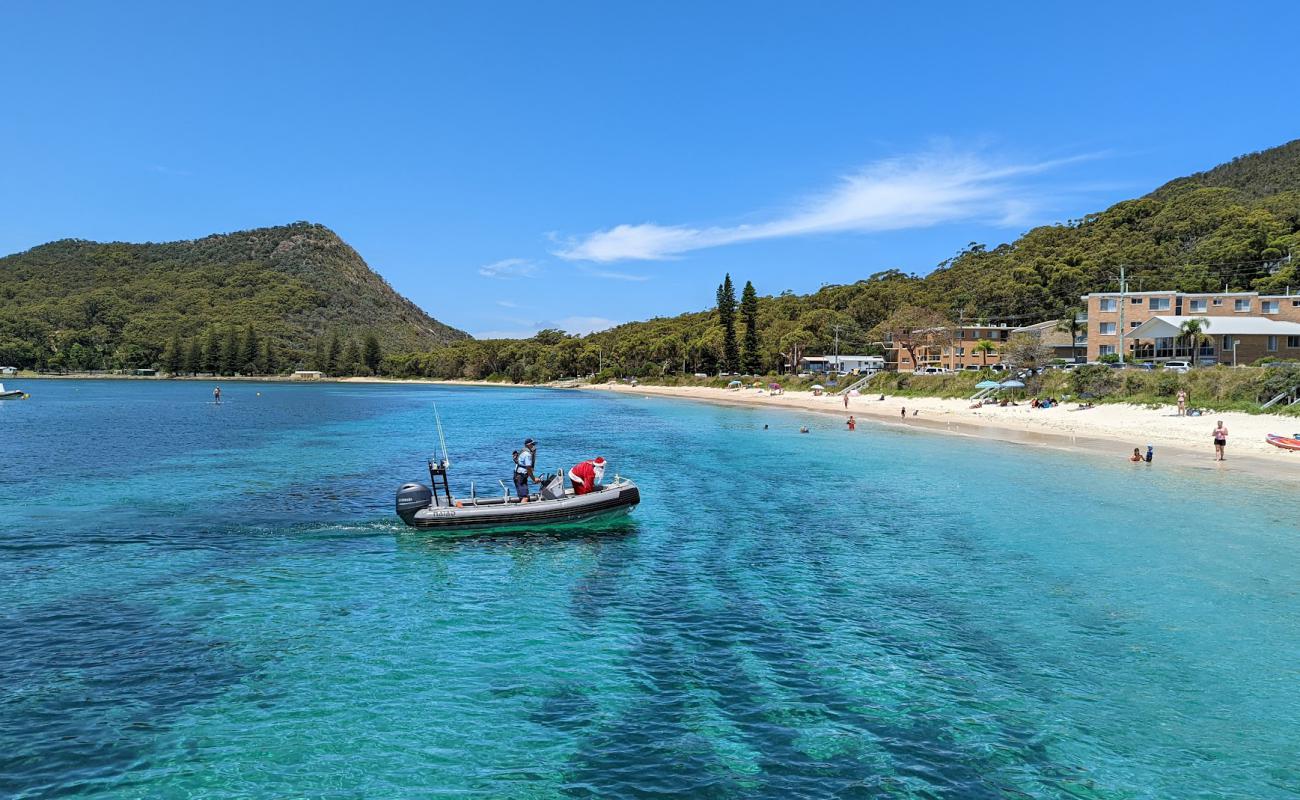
12	394
435	509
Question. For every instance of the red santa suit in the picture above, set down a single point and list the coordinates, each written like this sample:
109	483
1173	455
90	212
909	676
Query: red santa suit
587	475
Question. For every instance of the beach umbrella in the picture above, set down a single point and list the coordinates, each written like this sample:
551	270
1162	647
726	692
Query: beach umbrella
1012	385
734	383
987	385
817	386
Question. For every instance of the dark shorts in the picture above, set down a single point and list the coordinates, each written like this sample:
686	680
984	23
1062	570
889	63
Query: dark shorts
1220	442
521	484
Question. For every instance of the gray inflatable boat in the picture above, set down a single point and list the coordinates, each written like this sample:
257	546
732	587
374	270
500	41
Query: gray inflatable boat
435	509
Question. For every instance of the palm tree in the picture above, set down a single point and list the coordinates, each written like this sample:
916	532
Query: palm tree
1193	330
1070	324
984	347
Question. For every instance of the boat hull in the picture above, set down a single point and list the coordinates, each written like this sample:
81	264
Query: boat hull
1284	442
14	395
468	519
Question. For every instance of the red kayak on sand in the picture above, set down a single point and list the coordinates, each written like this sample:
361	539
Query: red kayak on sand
1284	442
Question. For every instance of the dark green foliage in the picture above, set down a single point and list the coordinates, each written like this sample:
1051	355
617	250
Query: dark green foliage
212	351
750	359
249	350
120	303
267	362
332	354
372	354
194	356
173	357
350	363
230	352
727	321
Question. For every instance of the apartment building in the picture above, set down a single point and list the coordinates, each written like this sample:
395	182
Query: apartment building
958	348
1145	326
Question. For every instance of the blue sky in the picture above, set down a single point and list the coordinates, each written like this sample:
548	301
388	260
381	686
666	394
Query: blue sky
516	166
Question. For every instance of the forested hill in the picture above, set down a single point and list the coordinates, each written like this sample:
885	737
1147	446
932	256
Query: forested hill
1232	225
79	304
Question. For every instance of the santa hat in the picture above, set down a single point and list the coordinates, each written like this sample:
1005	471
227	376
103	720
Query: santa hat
599	461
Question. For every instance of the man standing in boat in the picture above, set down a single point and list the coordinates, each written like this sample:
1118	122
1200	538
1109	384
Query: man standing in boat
587	475
524	469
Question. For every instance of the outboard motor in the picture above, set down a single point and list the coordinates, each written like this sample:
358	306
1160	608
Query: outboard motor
411	498
553	487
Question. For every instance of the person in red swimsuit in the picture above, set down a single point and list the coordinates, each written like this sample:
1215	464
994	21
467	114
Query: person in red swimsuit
587	475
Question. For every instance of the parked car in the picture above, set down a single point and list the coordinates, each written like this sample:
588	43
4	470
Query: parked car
1177	366
932	371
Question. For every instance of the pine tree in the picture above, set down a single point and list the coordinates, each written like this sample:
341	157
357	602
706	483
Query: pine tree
320	361
194	358
266	363
351	361
332	357
727	318
212	352
230	352
173	355
372	354
249	351
751	360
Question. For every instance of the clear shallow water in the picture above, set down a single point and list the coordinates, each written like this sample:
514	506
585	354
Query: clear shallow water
218	602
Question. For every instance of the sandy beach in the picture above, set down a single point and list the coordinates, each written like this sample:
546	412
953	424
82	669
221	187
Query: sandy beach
1111	429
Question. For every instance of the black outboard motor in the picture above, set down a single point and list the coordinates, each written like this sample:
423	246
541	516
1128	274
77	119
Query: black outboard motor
411	498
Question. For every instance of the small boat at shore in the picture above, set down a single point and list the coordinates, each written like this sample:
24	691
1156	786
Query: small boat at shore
12	394
1284	442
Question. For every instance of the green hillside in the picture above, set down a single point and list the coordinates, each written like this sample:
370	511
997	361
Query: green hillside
86	305
1230	226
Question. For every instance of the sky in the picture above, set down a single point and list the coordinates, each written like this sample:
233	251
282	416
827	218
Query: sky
517	166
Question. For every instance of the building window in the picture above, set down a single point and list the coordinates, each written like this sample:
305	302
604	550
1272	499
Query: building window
1272	344
1293	342
1133	325
1269	307
1227	342
1241	305
1106	304
1135	301
1197	305
1106	350
1107	329
1159	304
1218	301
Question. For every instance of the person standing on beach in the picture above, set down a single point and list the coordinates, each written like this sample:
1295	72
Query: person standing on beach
216	395
904	412
1220	441
846	399
1182	402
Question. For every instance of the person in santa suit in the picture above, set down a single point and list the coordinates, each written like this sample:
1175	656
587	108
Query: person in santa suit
587	475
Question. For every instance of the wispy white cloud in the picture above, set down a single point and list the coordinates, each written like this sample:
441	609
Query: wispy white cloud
507	304
611	275
509	268
893	194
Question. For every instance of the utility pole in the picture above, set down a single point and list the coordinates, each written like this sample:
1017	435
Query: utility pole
1123	301
837	348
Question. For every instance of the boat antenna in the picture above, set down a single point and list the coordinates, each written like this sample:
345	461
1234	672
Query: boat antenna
442	440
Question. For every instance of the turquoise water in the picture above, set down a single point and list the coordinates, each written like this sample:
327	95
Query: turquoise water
217	601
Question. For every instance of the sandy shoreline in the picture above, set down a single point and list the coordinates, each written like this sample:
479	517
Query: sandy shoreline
1112	430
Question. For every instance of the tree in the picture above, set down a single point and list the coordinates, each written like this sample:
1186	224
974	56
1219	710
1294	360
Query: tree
1026	351
320	359
727	320
916	330
230	352
249	351
751	359
267	361
212	352
1072	325
372	354
332	355
173	356
1193	332
194	358
984	347
350	363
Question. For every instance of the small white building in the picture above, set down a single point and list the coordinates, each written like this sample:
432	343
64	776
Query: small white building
8	370
842	364
306	375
